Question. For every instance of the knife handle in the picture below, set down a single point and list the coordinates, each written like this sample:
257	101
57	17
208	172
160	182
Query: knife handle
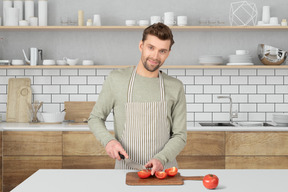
121	156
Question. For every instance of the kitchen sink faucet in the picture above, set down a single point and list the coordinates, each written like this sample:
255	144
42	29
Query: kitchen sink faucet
231	114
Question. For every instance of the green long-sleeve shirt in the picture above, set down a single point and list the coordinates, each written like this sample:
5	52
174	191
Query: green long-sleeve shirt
113	96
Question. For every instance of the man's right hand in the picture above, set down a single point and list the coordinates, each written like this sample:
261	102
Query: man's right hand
113	148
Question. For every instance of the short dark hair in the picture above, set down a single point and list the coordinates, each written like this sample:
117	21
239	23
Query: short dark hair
159	30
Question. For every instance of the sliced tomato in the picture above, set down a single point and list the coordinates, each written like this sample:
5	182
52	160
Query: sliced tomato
161	174
171	171
145	173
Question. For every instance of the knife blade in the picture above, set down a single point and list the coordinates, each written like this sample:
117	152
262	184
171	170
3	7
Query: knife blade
131	163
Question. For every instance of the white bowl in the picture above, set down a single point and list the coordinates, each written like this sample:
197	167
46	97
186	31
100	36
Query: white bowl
17	62
56	117
61	62
48	62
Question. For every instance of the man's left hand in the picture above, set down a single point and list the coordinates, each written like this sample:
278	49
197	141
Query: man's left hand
155	164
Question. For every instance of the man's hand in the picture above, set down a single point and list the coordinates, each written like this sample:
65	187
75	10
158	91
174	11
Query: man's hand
113	148
155	164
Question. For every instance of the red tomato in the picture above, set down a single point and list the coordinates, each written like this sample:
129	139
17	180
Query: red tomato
210	181
161	174
171	171
144	173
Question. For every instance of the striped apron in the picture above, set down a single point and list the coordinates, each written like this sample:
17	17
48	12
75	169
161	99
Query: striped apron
146	129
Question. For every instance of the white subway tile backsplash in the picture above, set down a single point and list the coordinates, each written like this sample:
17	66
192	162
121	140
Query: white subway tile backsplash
3	98
281	107
248	107
274	98
221	117
213	89
69	72
286	98
203	98
87	89
194	72
78	97
92	97
33	72
36	89
248	72
281	89
283	72
86	72
230	72
203	80
97	80
51	89
52	72
186	80
60	98
242	117
2	107
69	89
176	72
98	89
265	108
212	72
256	98
265	72
51	107
45	98
4	80
275	80
203	116
194	107
256	116
265	89
78	80
256	80
42	80
15	72
230	89
239	98
190	117
189	98
221	80
3	72
3	89
103	72
251	89
239	80
212	107
193	89
60	80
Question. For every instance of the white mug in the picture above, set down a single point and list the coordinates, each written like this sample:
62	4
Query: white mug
33	21
130	22
96	20
155	19
23	23
143	22
274	20
169	18
182	20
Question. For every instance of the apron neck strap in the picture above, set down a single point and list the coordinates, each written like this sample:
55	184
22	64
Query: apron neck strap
131	85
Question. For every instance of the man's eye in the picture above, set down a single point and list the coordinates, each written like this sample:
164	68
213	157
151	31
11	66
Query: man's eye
162	51
150	47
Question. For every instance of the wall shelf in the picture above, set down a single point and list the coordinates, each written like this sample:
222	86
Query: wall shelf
16	28
164	67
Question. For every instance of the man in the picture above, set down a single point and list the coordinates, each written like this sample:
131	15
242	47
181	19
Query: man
149	108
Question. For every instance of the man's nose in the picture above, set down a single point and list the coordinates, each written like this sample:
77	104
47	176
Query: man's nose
154	54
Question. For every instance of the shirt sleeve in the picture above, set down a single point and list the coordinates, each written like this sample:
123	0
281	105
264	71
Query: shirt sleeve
178	137
101	110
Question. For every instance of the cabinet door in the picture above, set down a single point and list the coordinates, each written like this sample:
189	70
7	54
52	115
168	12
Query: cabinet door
17	143
81	150
18	168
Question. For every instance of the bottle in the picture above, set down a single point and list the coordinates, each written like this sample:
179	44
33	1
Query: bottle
283	22
6	4
80	18
19	4
29	9
42	12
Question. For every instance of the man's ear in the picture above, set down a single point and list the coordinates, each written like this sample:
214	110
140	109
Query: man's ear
141	45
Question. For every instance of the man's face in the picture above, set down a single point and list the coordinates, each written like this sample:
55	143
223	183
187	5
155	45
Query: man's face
154	52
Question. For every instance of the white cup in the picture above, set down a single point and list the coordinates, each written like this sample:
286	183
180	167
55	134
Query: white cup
274	20
169	18
88	62
155	19
96	20
182	20
33	21
130	22
143	22
23	23
242	52
266	14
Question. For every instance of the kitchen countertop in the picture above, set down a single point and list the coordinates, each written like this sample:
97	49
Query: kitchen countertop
91	180
4	126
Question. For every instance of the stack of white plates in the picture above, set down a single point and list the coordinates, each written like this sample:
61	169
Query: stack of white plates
281	119
211	60
245	59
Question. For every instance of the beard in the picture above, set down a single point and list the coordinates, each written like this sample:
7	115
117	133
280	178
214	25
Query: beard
151	68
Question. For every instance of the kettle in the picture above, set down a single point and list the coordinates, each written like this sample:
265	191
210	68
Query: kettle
34	56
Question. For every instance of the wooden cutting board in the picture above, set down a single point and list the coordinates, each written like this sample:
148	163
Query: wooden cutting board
14	84
78	111
133	179
24	96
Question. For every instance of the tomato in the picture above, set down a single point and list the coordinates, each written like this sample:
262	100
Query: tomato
144	173
171	171
210	181
161	174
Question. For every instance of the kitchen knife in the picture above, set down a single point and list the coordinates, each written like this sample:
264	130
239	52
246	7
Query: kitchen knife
132	163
